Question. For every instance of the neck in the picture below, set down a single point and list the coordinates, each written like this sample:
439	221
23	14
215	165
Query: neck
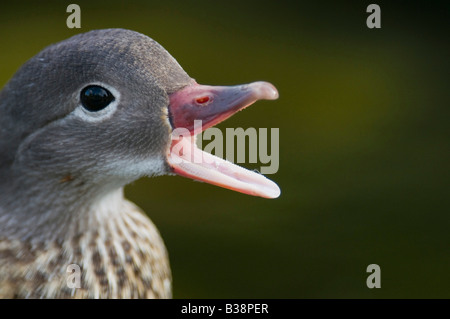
39	208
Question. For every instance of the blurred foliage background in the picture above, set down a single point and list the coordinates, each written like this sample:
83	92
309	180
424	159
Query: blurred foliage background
364	142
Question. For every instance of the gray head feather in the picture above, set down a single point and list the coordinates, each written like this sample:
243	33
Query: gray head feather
43	141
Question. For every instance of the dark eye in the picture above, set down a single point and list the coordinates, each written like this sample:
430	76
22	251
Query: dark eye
95	98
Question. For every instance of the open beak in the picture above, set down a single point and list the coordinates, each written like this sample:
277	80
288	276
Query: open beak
212	105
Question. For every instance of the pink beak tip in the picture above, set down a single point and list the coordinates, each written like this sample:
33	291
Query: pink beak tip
264	90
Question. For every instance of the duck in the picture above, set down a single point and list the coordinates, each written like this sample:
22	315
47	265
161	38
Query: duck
78	122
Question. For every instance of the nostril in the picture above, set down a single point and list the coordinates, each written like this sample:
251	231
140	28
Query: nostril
202	100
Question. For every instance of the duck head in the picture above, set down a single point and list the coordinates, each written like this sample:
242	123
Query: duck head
101	108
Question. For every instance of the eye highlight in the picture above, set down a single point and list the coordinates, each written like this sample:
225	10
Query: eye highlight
95	98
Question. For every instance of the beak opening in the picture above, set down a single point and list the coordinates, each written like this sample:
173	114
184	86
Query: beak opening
212	105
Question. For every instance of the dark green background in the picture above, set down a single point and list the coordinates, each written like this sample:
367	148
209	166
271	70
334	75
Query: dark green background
364	142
